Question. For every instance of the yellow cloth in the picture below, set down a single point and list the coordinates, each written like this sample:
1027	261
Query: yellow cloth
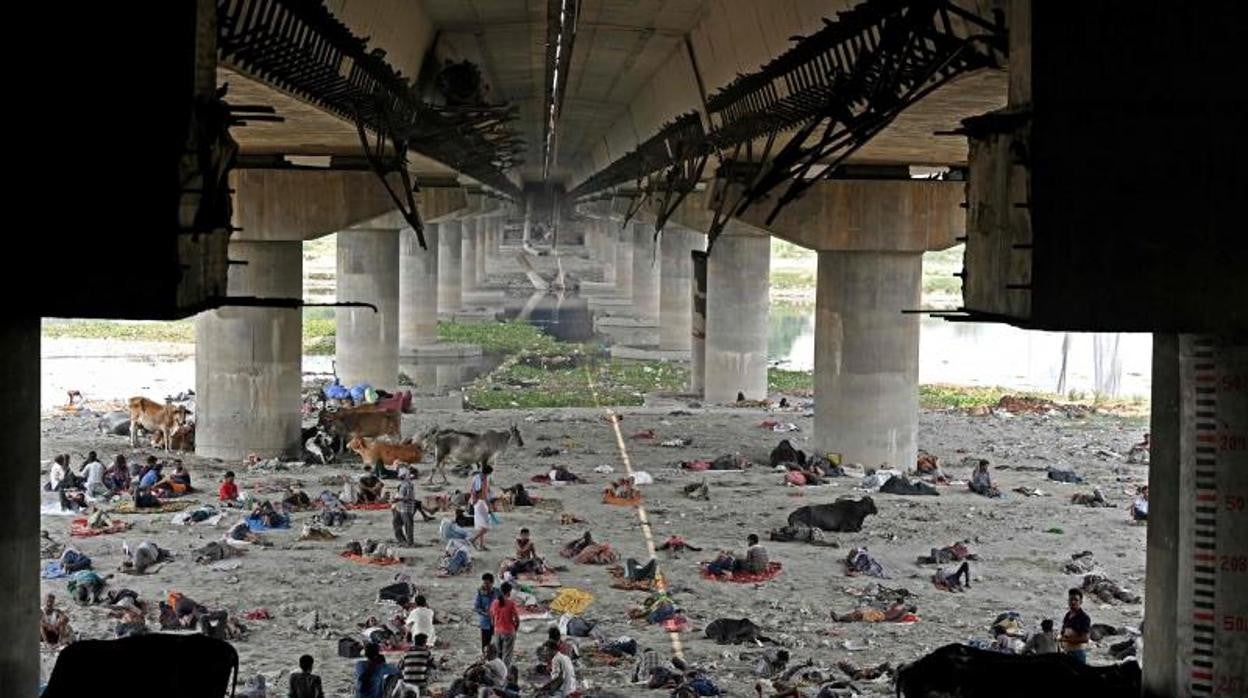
571	600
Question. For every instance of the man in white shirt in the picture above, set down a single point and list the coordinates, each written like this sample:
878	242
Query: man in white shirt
420	621
93	473
562	673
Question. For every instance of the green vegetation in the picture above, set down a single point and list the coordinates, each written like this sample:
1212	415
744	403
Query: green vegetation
787	250
126	331
780	380
500	337
793	279
517	383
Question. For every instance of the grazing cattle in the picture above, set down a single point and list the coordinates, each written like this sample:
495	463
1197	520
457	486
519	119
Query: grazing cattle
154	417
734	631
842	515
463	447
373	451
187	666
967	672
357	421
183	438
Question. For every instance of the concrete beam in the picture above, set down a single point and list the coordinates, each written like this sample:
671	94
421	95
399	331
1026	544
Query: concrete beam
869	215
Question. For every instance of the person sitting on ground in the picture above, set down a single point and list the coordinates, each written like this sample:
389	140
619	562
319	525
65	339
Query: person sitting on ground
143	557
296	499
420	620
756	559
117	477
57	472
371	672
981	481
227	493
305	684
145	499
176	484
1043	642
151	474
1139	507
73	560
952	581
1076	628
562	683
560	473
369	487
418	664
54	627
74	500
526	559
92	474
86	586
859	561
449	530
1139	452
457	557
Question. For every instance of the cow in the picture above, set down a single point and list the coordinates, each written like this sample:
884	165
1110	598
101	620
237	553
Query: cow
183	438
346	424
155	417
463	447
968	672
373	451
842	515
187	666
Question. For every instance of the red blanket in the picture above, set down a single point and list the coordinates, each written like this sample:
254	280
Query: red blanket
78	528
366	560
773	571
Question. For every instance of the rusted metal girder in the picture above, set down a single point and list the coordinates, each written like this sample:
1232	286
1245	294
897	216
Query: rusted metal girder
299	46
837	88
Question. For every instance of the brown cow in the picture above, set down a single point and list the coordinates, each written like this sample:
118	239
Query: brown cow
372	451
155	417
348	423
183	438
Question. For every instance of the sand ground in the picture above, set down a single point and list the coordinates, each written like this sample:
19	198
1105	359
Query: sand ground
1020	568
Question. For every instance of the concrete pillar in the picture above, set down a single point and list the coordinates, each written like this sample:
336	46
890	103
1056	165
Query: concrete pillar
646	265
468	256
450	288
19	536
367	341
608	243
418	290
483	245
697	323
675	296
1196	596
867	356
248	361
623	259
738	283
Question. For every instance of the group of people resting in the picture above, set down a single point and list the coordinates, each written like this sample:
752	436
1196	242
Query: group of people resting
91	480
727	563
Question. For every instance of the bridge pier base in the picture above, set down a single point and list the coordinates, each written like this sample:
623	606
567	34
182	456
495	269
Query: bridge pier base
248	361
737	307
468	256
623	238
645	274
367	341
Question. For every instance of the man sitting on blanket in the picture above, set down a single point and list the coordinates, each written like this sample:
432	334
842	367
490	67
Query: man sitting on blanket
622	489
369	488
176	484
526	559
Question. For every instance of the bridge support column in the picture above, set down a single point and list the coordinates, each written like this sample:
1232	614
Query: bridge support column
623	236
675	296
1196	595
468	256
646	265
418	290
19	536
367	341
608	243
483	245
737	306
450	288
248	361
697	323
867	356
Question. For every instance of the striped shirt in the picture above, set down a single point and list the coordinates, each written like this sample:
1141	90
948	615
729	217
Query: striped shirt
407	497
417	664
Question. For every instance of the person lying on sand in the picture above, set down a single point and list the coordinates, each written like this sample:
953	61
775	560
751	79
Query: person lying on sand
870	614
952	581
143	557
241	533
